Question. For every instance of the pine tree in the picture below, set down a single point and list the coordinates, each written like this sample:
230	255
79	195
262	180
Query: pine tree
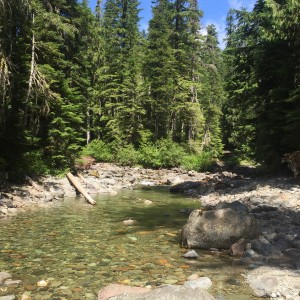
262	87
240	85
212	94
186	40
159	72
118	77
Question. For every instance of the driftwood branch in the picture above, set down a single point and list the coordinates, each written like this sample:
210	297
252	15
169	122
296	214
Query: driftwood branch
80	189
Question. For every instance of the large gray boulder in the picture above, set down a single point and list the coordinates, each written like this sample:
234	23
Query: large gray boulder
218	228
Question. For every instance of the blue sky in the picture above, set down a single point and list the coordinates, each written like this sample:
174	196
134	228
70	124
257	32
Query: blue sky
215	12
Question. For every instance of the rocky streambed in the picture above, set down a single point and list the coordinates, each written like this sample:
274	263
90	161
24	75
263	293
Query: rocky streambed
274	255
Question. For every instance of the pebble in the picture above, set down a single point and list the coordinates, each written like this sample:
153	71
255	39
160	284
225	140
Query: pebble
42	283
129	222
191	254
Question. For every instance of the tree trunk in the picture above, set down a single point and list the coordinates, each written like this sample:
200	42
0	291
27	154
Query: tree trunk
80	189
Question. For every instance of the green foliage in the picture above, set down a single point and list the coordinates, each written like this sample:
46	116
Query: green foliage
262	57
149	156
127	156
198	162
170	153
98	149
35	163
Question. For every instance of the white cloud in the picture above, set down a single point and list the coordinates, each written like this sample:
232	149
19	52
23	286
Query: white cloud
238	4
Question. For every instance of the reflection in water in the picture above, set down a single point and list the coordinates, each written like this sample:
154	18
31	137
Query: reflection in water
78	248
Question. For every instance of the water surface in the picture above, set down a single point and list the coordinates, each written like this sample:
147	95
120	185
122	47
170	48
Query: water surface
78	248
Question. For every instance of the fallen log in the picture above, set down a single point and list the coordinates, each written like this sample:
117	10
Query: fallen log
33	184
88	184
80	189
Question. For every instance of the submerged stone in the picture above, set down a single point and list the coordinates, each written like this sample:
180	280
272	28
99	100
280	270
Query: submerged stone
202	283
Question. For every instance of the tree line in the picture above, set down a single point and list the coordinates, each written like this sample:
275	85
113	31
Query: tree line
262	111
70	78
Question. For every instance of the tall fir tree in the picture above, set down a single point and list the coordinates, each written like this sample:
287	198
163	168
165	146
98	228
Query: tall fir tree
159	72
118	77
212	94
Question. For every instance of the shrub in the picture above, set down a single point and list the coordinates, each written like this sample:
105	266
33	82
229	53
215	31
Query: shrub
198	162
101	151
171	153
127	156
149	156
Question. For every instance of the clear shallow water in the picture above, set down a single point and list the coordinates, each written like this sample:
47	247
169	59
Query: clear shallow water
78	248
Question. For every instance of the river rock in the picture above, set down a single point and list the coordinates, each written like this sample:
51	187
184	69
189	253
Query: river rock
129	222
236	205
118	289
261	246
191	254
296	243
174	180
10	282
4	276
185	186
202	283
8	297
264	281
148	202
42	283
169	292
218	228
238	248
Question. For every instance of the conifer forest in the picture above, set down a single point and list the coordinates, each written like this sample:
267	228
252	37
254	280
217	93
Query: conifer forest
79	82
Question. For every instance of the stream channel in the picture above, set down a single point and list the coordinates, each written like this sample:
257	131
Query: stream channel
78	248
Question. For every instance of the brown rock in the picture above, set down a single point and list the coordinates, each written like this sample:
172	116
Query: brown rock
238	248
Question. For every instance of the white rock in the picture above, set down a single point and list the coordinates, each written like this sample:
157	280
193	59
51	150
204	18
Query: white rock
148	202
274	295
202	283
191	254
42	283
129	222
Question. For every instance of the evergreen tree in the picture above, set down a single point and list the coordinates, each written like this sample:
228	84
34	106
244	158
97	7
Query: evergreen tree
212	95
159	72
172	71
186	40
118	77
263	62
240	85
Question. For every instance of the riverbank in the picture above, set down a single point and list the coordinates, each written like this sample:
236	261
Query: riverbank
101	178
274	201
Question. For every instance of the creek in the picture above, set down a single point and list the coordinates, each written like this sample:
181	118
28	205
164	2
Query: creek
78	248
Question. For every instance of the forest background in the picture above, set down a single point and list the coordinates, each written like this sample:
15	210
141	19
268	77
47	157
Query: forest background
74	82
